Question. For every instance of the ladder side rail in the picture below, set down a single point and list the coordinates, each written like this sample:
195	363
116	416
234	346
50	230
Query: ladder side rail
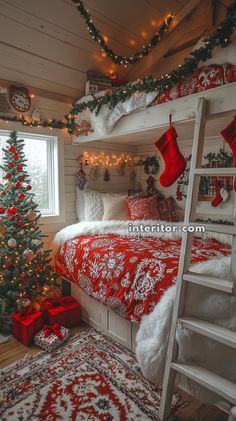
233	250
185	255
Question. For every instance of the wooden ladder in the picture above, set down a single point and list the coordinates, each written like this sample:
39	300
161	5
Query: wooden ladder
211	381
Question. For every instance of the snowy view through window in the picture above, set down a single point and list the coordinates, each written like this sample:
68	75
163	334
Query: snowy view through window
36	152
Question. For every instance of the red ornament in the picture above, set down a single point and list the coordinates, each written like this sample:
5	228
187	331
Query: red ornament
40	268
19	168
8	175
2	211
29	187
11	148
18	185
21	196
11	164
3	193
18	216
23	275
22	178
12	211
21	224
16	156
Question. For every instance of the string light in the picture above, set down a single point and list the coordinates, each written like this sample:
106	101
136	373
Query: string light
102	40
103	160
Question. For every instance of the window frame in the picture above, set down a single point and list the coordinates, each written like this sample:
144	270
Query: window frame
55	160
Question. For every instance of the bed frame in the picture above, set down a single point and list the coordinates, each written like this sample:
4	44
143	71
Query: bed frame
101	317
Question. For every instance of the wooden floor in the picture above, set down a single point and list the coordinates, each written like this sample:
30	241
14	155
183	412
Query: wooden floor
192	410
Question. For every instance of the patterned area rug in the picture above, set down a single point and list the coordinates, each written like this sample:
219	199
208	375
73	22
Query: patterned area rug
90	378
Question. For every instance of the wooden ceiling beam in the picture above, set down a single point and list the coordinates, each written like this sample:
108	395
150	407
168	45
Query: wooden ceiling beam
148	65
183	46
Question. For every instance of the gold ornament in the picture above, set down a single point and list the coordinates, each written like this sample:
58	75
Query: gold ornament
31	215
28	255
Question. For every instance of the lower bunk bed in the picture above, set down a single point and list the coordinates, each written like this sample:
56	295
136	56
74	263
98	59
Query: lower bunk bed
118	277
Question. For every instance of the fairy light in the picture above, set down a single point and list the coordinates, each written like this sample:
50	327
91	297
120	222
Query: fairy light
103	160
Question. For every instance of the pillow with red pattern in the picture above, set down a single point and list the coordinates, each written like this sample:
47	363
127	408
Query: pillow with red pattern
166	209
143	208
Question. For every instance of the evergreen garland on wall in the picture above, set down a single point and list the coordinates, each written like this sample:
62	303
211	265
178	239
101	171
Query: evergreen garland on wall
221	37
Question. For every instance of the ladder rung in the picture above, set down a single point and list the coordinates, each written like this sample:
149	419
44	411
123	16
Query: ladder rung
210	330
222	387
220	172
220	228
210	282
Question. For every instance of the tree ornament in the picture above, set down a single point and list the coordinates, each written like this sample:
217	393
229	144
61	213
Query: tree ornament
8	175
12	243
21	224
16	156
31	215
11	149
28	187
21	196
2	211
40	268
18	185
28	255
3	193
22	178
8	186
12	211
11	164
179	195
106	175
81	177
19	168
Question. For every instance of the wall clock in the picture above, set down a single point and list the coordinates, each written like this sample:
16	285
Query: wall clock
19	98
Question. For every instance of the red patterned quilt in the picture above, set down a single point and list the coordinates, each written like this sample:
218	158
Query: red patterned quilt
128	275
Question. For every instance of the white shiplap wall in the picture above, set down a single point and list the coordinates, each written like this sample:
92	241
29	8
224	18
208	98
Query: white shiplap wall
68	161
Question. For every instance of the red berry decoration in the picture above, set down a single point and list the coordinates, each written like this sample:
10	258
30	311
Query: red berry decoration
11	164
3	193
19	168
2	211
18	185
12	211
21	224
28	187
11	149
16	156
8	175
40	268
21	196
22	178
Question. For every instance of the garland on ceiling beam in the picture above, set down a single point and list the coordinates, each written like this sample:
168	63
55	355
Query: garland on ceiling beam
116	58
221	37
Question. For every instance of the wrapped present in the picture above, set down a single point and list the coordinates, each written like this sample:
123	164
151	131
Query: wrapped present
51	337
63	310
26	323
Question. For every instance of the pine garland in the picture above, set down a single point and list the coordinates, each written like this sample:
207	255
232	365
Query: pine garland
116	58
221	37
53	124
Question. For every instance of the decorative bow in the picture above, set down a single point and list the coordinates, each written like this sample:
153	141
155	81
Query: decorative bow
27	312
63	301
54	329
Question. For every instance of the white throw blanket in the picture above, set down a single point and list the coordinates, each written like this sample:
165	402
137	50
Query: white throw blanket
152	337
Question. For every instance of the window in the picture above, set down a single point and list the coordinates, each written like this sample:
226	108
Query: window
42	154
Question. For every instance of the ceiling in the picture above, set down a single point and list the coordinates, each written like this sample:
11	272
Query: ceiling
45	44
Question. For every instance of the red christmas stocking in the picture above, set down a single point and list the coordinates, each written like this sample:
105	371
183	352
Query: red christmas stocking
218	199
229	135
175	164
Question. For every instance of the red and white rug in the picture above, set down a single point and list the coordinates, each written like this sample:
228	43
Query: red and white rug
90	378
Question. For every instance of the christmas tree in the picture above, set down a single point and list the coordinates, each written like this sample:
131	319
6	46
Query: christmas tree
25	270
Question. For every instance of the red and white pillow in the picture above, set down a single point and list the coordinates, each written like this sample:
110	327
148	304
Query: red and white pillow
145	208
166	209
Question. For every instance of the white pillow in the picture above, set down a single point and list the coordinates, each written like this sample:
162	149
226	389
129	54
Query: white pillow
93	205
115	207
80	204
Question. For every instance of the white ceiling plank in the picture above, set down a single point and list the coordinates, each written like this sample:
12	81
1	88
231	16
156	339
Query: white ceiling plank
176	31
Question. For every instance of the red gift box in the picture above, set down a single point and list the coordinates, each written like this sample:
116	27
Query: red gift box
64	310
26	323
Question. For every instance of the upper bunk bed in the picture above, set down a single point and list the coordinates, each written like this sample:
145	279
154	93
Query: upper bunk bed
142	117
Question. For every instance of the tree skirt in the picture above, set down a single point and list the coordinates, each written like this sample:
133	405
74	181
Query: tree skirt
91	377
